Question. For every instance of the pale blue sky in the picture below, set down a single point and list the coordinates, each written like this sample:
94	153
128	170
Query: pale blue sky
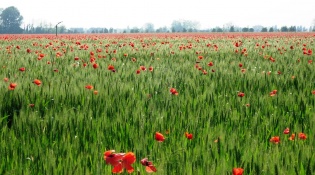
123	13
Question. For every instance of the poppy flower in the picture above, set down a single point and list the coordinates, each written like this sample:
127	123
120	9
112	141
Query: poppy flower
159	137
31	105
210	63
89	87
37	82
143	68
302	136
273	93
173	91
200	57
12	86
126	161
95	92
286	131
95	66
5	79
111	67
309	52
241	94
238	171
313	92
149	167
150	68
240	65
113	158
189	135
275	139
292	137
138	71
22	69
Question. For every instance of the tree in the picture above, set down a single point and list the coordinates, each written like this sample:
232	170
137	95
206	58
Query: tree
251	30
11	20
284	29
176	26
264	29
292	29
245	29
271	29
232	29
148	28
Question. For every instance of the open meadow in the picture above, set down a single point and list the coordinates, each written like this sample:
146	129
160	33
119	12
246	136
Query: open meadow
193	104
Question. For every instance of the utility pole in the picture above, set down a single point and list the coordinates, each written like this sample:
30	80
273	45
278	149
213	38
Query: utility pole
57	26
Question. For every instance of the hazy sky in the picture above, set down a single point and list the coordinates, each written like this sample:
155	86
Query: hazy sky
123	13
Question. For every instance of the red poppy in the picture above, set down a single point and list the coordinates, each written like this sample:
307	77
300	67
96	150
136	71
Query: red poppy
22	69
95	92
76	58
309	52
173	91
149	167
189	135
210	63
138	71
37	82
238	171
89	87
134	59
5	79
159	137
12	86
200	57
126	161
111	67
31	105
273	93
240	65
286	131
241	94
113	158
143	68
275	139
292	137
302	136
150	68
95	66
313	92
28	50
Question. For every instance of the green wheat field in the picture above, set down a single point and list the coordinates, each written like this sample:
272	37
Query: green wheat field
66	100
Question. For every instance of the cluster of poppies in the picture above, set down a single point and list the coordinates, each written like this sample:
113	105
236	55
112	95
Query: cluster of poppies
276	139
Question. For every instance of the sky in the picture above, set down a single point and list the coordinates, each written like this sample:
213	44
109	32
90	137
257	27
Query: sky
135	13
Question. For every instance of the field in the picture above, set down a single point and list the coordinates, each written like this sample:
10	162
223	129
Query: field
191	103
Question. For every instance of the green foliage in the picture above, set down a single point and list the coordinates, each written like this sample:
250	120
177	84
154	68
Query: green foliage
11	20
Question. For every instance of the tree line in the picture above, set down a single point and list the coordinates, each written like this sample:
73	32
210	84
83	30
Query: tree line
11	21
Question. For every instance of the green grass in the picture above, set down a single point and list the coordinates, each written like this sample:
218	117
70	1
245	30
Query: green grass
69	128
